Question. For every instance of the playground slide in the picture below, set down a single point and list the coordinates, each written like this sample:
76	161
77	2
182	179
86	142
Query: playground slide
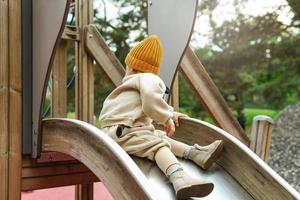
239	174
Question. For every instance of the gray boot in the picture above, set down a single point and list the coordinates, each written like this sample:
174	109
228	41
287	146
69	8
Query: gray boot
186	186
205	156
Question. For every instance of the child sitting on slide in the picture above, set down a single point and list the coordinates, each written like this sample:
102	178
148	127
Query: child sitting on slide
128	113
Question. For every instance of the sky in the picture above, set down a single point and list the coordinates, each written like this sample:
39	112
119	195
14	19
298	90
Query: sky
224	11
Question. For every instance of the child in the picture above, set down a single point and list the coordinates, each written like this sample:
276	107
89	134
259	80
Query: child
128	113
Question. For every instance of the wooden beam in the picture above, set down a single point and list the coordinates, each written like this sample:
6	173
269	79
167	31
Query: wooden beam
99	50
37	175
84	88
15	99
84	64
59	82
262	127
209	95
4	99
10	100
36	183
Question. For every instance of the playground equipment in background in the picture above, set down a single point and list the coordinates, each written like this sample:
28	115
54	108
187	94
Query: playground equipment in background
239	170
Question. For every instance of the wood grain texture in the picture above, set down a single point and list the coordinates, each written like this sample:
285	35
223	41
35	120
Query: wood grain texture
100	154
261	132
4	99
84	88
84	85
54	174
107	60
209	95
59	82
36	183
10	100
239	161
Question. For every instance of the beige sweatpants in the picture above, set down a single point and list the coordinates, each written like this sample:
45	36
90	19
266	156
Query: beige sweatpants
139	141
150	143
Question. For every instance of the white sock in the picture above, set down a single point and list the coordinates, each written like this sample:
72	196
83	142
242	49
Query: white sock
186	152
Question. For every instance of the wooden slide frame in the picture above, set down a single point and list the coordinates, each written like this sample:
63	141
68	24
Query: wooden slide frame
99	153
111	164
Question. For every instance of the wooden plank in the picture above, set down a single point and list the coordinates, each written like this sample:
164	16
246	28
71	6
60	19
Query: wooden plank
209	95
84	88
238	160
15	100
53	170
59	82
261	136
53	174
31	162
4	99
107	160
85	78
103	56
58	181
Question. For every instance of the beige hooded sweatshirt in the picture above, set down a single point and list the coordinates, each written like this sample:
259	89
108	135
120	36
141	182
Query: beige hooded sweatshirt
138	101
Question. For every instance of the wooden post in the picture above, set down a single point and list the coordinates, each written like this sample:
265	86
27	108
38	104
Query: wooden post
261	136
59	82
10	100
84	91
4	133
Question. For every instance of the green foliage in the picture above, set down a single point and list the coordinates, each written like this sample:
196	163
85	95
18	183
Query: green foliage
254	60
131	21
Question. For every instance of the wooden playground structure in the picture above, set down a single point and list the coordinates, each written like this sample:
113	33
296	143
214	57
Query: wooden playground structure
38	153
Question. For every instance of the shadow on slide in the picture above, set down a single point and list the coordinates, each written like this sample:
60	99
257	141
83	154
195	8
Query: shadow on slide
239	174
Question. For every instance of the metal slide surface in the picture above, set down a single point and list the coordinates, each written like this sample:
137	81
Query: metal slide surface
126	180
225	185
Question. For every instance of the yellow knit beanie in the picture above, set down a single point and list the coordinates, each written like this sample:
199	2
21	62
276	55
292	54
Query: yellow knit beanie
146	56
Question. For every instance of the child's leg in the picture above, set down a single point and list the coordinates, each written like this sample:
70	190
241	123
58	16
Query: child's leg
165	159
177	147
204	156
184	185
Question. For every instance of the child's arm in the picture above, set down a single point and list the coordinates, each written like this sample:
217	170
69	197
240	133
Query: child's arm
154	106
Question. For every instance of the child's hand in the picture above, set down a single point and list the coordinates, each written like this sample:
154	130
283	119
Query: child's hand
176	116
170	127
